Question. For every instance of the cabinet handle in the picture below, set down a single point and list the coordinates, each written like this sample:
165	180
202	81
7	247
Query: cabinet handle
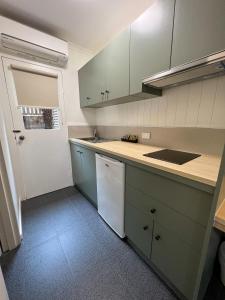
102	93
78	151
153	210
145	227
88	98
106	165
106	91
157	237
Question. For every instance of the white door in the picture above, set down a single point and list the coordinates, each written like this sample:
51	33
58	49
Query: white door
44	153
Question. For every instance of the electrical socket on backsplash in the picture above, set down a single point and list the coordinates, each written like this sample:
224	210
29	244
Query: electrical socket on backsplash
146	135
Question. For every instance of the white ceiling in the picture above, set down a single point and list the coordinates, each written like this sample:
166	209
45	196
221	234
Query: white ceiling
88	23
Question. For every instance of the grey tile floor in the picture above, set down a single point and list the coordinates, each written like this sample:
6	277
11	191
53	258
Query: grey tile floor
68	252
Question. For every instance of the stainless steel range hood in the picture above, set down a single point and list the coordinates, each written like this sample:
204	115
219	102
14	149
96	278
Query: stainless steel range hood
203	68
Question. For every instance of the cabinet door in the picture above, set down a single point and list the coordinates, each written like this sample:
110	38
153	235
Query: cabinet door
92	81
117	67
89	186
76	164
176	259
198	29
150	44
138	228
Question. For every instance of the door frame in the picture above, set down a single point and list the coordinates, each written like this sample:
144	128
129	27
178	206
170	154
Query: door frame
10	229
3	290
12	224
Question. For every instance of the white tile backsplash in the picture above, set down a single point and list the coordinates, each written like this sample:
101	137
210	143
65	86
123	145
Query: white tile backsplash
198	104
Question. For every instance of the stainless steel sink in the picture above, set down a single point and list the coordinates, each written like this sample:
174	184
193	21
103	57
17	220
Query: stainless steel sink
95	139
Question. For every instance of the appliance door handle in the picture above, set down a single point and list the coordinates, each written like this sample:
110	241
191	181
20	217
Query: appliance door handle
108	160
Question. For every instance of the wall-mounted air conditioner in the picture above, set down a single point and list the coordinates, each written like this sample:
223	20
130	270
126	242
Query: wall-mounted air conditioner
23	41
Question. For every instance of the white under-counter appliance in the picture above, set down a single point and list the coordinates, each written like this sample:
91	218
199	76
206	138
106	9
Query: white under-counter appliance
110	192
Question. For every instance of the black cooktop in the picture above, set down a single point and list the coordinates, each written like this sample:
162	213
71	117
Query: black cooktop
173	156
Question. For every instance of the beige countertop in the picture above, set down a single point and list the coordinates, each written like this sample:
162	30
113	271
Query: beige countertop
203	169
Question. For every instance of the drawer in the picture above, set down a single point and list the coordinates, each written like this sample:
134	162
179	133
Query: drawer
138	228
139	200
176	260
179	225
187	200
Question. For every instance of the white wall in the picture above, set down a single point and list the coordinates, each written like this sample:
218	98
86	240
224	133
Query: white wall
199	104
74	115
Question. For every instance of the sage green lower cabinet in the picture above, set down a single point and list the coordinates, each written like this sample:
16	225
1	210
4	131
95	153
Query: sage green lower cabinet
139	226
84	171
175	259
174	215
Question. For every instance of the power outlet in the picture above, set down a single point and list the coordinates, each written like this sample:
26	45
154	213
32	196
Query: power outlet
146	135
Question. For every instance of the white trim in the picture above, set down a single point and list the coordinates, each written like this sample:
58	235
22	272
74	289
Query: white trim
11	226
12	223
3	290
4	245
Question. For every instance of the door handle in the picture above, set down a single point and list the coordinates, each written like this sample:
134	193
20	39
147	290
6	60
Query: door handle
16	131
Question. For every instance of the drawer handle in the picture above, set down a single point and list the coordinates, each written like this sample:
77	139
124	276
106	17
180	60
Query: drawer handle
153	210
145	227
157	237
88	98
102	93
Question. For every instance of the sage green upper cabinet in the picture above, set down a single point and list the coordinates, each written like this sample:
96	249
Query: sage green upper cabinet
117	68
198	29
92	81
150	44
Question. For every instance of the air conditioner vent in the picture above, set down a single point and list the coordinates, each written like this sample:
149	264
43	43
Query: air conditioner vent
31	51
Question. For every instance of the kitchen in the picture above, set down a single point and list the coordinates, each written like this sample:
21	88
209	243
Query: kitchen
141	137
